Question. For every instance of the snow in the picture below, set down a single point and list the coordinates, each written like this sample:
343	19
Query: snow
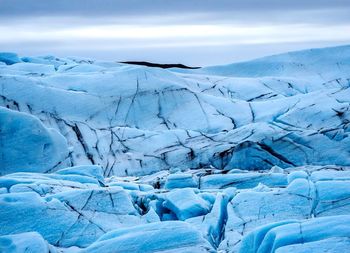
101	156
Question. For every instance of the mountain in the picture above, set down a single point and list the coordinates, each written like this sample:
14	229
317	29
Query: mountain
246	157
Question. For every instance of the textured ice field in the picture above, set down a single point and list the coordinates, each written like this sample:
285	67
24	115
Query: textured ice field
108	157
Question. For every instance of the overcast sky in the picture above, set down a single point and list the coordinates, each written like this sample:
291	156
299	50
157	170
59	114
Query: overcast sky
194	32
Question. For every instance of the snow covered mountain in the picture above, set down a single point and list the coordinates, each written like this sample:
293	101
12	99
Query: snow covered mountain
111	157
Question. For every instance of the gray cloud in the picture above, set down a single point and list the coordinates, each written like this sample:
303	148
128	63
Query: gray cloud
160	29
151	7
170	11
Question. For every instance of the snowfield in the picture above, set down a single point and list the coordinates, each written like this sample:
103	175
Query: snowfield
108	157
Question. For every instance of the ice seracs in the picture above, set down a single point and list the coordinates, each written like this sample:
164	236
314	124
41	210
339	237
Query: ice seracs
70	210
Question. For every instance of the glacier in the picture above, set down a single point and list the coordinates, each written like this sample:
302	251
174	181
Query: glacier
100	156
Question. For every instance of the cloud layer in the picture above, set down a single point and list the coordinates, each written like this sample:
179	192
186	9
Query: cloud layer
200	32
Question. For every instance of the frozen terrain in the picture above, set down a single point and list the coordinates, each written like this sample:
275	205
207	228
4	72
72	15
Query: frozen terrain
109	157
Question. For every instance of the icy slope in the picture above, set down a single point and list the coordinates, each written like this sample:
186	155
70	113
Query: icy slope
321	63
108	157
135	120
27	145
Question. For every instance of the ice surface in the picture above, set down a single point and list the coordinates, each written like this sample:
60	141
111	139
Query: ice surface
301	63
181	181
27	145
185	203
330	245
69	218
30	242
283	110
269	239
169	236
106	157
9	58
87	170
68	210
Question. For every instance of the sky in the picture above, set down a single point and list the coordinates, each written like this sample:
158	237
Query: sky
192	32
